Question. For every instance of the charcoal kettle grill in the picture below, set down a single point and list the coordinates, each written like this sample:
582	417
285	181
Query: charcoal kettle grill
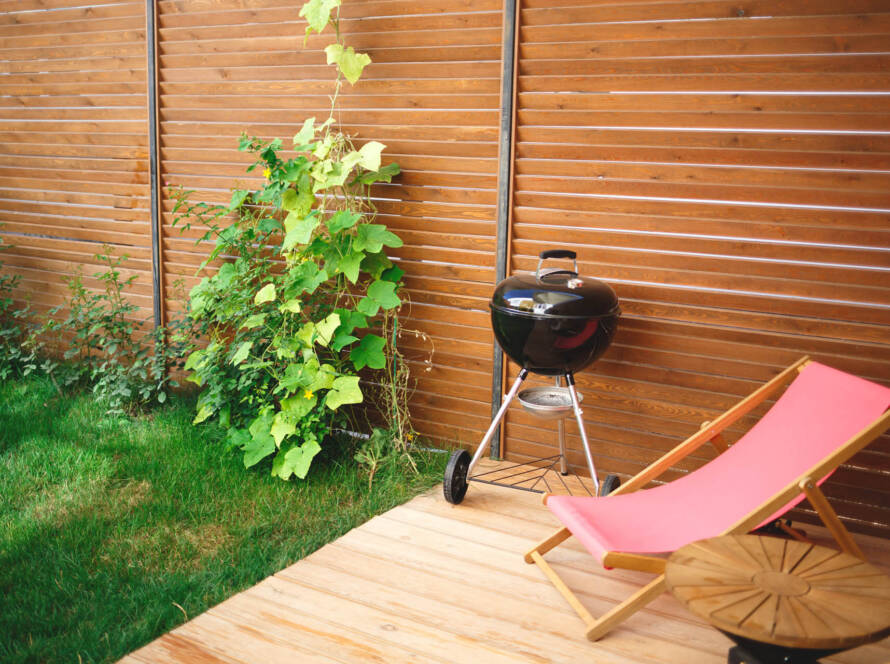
552	323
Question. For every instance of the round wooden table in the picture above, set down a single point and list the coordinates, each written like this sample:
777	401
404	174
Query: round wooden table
781	600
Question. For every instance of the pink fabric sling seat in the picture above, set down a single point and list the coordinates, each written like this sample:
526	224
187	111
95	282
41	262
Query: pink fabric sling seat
821	410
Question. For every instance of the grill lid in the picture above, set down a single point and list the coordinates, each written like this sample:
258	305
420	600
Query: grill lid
555	293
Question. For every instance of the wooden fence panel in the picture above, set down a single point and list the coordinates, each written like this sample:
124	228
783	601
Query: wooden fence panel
431	95
73	144
725	168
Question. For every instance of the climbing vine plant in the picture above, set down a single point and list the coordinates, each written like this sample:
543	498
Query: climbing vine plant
305	297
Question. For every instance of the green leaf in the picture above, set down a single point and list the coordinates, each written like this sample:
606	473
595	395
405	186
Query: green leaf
237	438
269	225
384	174
393	274
299	203
225	417
299	230
306	135
323	379
351	319
329	174
205	411
373	237
304	278
299	405
384	294
306	334
280	467
341	340
293	306
258	449
318	13
261	444
368	306
350	265
300	458
350	160
194	360
345	389
369	353
265	294
238	198
322	148
286	348
370	155
253	321
299	375
242	352
289	200
375	264
281	428
325	329
295	168
342	220
199	298
349	62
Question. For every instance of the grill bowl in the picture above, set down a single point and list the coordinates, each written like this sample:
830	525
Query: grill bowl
552	346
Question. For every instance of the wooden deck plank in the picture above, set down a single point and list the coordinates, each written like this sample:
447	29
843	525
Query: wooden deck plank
432	582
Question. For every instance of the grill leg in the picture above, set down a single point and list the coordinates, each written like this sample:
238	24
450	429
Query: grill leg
497	420
570	381
561	432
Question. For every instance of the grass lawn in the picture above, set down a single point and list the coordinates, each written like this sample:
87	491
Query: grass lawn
114	531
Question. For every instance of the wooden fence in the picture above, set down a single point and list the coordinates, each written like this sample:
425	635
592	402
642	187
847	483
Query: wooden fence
723	165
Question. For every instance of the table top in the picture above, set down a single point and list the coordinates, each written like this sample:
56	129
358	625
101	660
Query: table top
782	592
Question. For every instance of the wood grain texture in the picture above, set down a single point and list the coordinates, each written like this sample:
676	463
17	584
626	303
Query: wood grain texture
724	168
431	582
783	592
73	137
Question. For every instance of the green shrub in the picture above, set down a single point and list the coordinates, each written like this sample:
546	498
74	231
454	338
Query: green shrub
126	366
292	315
100	342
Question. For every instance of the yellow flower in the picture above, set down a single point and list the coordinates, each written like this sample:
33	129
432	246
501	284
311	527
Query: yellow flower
409	436
307	394
267	173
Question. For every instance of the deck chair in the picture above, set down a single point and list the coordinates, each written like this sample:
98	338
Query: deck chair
821	420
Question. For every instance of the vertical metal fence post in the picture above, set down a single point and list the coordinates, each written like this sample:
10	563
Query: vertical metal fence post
151	36
505	189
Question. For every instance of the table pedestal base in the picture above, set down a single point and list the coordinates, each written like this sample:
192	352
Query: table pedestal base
754	652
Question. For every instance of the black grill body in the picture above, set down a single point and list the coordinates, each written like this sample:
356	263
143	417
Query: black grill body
554	323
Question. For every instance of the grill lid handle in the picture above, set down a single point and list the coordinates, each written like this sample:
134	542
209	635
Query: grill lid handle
557	253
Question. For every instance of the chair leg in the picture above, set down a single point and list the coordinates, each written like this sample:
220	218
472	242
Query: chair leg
563	589
603	625
829	517
596	627
551	542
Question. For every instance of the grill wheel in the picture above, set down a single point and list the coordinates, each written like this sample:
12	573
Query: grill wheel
455	485
609	484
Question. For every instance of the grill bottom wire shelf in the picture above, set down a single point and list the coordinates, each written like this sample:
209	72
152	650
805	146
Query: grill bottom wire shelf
537	476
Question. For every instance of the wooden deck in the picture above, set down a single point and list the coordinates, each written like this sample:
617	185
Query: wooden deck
430	582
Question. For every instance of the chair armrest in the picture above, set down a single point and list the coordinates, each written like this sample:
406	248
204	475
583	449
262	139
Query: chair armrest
711	429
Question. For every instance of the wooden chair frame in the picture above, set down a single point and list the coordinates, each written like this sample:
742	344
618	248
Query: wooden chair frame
711	432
